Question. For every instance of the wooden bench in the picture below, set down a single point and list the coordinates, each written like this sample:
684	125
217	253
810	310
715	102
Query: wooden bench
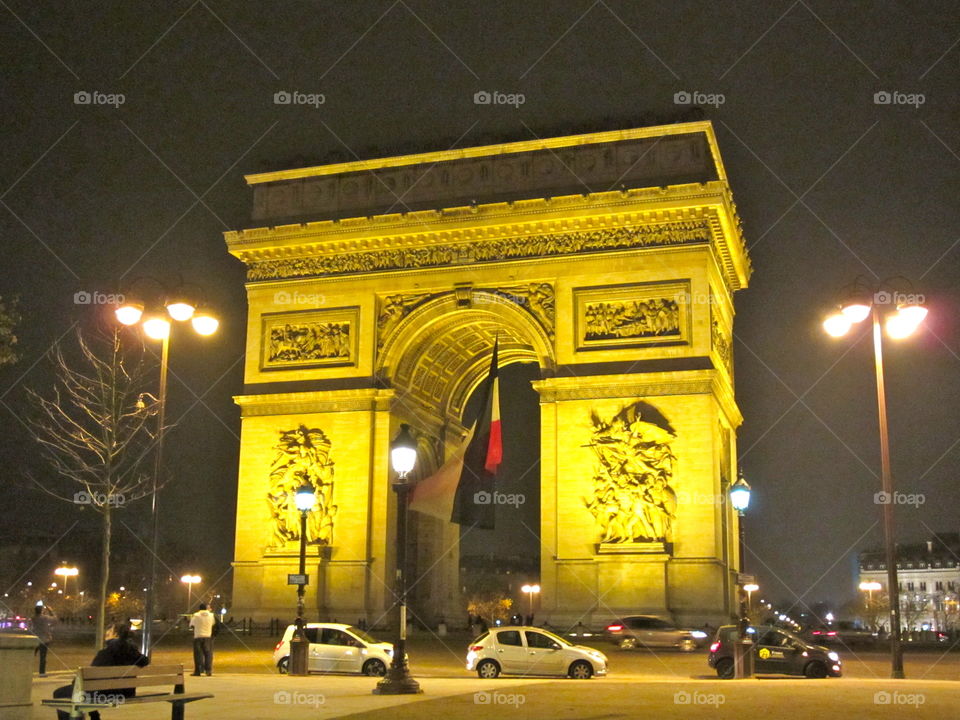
96	688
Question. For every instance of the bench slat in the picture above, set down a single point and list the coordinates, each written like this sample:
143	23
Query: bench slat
99	672
166	697
130	682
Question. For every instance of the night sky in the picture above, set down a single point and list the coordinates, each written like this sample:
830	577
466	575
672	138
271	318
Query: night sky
830	185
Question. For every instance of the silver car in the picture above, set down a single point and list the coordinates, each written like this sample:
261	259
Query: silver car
648	631
521	650
335	647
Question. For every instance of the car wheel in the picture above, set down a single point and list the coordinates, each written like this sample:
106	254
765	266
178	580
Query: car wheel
488	669
687	644
628	643
283	665
375	667
815	670
581	670
725	668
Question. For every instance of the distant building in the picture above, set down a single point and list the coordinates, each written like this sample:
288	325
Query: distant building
928	576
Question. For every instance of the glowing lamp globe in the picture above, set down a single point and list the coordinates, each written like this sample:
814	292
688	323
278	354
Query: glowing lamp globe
180	310
129	313
856	311
156	327
837	325
740	495
205	324
403	451
305	498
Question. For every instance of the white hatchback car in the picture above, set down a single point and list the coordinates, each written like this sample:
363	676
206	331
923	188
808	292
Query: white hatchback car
517	650
335	647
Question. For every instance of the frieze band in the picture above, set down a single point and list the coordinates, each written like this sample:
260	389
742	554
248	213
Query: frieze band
675	233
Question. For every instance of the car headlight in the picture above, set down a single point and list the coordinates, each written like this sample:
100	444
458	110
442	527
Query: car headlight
833	656
698	634
389	652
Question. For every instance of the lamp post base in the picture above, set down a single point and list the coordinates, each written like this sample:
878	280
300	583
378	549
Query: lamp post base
397	681
299	652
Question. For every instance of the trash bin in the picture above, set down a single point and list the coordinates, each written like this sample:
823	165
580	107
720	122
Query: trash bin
16	659
743	659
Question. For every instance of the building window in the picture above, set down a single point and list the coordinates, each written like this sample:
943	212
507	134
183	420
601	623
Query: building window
923	587
910	586
939	585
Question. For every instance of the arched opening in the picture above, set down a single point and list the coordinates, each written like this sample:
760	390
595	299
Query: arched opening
437	359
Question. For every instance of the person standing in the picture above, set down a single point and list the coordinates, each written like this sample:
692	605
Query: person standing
42	626
202	623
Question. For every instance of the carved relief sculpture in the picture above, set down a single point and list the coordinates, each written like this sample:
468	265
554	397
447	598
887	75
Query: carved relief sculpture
631	319
313	338
722	346
633	499
303	458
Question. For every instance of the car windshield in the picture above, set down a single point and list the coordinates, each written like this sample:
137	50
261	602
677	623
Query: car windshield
362	634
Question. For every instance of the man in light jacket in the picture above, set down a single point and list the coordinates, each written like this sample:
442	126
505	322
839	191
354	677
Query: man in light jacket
202	623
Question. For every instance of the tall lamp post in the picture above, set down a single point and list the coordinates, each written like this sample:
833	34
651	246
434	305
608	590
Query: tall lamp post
190	580
903	315
530	590
156	326
65	573
403	456
740	500
305	499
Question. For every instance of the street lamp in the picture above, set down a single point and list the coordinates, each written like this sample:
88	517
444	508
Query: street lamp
66	572
530	590
403	456
740	500
190	580
304	499
156	326
903	315
750	589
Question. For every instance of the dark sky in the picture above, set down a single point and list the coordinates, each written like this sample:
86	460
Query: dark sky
829	183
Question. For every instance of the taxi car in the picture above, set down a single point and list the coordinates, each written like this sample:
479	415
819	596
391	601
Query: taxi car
775	652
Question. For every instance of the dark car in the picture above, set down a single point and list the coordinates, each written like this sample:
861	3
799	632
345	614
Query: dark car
775	651
844	632
648	631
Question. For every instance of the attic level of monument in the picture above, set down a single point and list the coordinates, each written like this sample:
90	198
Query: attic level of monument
595	162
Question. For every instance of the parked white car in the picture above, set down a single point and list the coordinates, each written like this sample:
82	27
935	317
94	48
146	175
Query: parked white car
335	647
520	650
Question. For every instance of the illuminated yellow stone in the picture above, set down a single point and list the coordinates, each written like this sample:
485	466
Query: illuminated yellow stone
375	291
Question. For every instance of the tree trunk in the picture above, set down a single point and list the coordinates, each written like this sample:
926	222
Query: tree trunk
104	575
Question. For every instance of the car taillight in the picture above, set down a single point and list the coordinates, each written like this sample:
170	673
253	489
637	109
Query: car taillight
476	648
832	632
714	647
614	628
816	632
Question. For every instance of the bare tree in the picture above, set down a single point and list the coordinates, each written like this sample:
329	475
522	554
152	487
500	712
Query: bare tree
9	318
94	431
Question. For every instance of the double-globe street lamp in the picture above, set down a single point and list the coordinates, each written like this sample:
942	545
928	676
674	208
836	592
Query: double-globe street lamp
190	581
403	456
66	573
180	307
530	590
305	499
903	314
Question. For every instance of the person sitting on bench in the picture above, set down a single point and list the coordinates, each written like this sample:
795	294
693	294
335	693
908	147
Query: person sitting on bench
118	650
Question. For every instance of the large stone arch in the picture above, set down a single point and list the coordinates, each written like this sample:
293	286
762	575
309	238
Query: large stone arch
367	311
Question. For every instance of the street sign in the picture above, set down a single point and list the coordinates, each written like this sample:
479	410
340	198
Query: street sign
744	579
298	579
